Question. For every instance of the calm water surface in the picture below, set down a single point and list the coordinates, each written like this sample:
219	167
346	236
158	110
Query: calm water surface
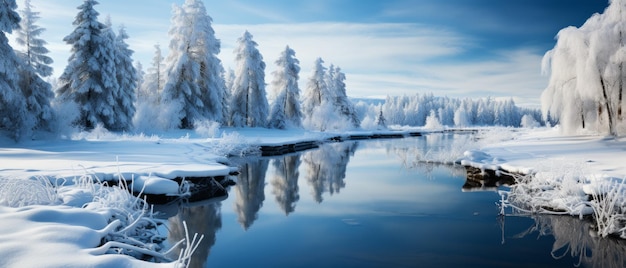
375	204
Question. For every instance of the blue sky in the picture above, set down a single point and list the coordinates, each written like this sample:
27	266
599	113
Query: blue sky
456	48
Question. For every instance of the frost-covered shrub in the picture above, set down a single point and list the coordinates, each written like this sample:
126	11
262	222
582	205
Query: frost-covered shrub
23	192
529	122
207	128
432	122
564	188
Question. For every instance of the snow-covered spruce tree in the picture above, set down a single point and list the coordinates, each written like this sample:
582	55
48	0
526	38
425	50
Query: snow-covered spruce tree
140	77
285	112
126	76
586	69
194	87
89	80
337	89
38	92
315	102
249	105
27	35
14	117
154	80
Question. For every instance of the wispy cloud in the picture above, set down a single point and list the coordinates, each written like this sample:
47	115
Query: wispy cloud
396	59
378	58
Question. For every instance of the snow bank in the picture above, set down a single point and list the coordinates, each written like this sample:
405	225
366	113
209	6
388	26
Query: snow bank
574	175
79	224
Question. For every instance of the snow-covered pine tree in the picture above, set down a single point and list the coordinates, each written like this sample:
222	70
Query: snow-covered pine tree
316	88
154	80
249	105
204	48
126	76
339	97
14	117
285	110
89	78
38	92
140	78
194	89
27	35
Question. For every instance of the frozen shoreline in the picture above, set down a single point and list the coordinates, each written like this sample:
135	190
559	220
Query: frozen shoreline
573	175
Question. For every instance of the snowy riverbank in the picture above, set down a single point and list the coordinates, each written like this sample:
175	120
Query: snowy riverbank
576	175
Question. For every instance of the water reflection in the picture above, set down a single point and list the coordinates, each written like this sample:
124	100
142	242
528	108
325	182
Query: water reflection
326	167
249	190
285	182
205	219
384	215
574	237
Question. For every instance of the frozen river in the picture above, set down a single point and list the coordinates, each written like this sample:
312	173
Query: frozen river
378	203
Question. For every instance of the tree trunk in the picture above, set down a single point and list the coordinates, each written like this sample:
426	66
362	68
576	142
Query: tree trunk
609	112
620	89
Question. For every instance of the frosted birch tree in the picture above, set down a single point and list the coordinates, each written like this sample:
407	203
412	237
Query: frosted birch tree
14	117
249	106
286	112
194	87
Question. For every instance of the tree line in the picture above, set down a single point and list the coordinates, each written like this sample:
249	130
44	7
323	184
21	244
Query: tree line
415	110
100	86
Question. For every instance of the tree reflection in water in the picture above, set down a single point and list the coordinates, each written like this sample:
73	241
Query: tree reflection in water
326	167
249	190
205	219
285	182
574	237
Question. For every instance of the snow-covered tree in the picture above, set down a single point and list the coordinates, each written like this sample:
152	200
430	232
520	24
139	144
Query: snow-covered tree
337	89
154	80
461	117
586	83
325	103
36	65
381	122
249	105
89	79
126	76
316	88
14	117
194	89
285	110
27	35
140	77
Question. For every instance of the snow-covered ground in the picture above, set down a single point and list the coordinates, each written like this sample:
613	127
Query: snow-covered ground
66	225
